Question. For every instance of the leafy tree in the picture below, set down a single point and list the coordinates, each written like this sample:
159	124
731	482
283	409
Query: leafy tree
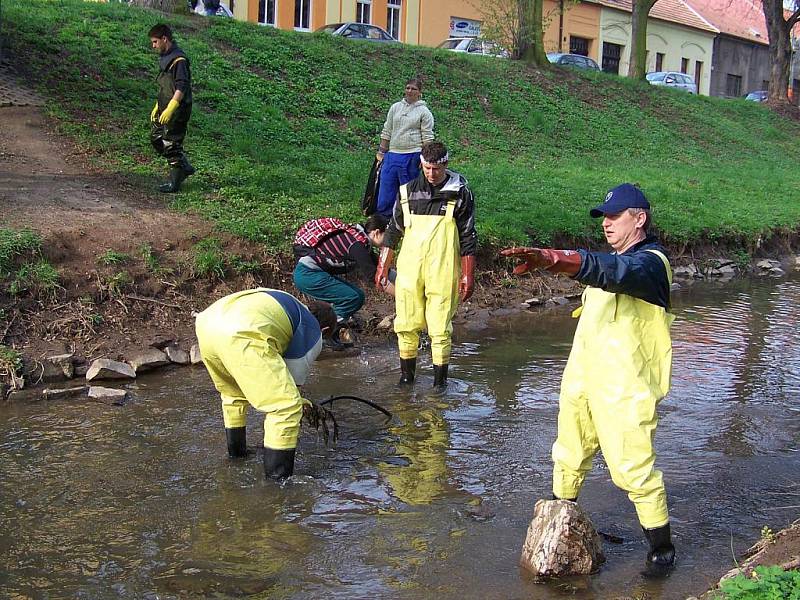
638	63
779	28
517	25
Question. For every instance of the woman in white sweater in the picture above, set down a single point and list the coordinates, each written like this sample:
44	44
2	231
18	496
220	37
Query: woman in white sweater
409	124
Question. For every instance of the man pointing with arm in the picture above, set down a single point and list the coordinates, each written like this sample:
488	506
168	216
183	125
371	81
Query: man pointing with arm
620	364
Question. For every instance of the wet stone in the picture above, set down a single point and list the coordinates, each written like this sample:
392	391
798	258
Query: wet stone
386	322
194	354
104	368
64	393
561	541
106	395
148	360
684	271
176	355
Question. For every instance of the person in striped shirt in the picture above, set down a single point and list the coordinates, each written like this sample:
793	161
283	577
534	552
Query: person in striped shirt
328	249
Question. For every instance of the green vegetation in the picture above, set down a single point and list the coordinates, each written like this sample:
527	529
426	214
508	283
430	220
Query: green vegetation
209	259
10	362
767	583
285	124
152	262
112	257
22	267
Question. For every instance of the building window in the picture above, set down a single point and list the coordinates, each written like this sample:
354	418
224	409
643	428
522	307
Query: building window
611	56
659	61
363	11
266	12
733	85
302	14
393	18
684	65
578	45
698	73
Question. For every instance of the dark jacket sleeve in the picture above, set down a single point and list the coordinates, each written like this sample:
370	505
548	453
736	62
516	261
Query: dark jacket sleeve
465	221
183	79
364	259
396	227
640	274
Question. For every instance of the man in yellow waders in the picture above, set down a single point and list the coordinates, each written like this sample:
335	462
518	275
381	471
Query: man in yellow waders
258	346
435	217
620	364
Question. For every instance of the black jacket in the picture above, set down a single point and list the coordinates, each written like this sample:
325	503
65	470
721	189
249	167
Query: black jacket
636	272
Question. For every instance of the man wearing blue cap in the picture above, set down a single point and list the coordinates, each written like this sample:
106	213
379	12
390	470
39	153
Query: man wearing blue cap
620	364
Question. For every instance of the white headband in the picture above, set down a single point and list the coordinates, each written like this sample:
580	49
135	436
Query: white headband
441	161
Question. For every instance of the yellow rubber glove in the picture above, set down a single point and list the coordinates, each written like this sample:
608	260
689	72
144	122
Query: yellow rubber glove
154	113
166	116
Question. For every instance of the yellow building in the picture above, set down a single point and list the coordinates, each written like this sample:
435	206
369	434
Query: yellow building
423	22
678	38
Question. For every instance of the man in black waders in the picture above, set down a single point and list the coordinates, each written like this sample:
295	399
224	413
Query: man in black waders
173	108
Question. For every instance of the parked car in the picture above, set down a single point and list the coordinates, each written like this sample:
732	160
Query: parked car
673	79
474	45
577	61
757	96
358	31
222	10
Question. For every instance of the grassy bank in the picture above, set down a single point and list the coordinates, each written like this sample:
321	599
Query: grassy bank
285	125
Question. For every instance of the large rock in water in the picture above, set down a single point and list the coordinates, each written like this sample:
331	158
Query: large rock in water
561	541
104	368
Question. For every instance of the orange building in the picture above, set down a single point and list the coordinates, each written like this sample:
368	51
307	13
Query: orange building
424	22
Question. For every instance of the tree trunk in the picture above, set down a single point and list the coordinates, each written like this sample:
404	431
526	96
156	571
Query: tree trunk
780	48
637	67
532	32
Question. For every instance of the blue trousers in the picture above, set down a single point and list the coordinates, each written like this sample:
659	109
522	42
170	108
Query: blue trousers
345	297
396	170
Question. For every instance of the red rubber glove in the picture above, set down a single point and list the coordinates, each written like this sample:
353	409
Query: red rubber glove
555	261
467	283
385	259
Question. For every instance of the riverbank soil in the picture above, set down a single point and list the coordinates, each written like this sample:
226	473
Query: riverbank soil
97	228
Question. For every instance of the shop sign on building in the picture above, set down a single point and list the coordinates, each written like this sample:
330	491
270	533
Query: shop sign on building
464	27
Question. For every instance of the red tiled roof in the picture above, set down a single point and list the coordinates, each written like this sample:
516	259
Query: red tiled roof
739	18
674	11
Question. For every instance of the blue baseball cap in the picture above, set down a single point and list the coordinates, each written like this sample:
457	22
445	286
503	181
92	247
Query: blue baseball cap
621	198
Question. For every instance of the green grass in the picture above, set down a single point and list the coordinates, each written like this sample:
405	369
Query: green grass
112	257
22	268
209	259
285	124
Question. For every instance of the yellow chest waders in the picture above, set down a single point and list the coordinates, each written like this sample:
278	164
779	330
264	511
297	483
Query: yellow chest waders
242	338
618	370
426	290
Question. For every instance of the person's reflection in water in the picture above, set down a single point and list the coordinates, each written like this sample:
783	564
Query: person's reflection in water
240	545
422	440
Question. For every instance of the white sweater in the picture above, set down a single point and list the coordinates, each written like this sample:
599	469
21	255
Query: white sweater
408	126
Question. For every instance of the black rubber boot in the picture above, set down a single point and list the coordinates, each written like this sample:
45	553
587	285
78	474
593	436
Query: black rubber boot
237	444
661	558
567	499
176	177
186	167
439	378
278	464
408	368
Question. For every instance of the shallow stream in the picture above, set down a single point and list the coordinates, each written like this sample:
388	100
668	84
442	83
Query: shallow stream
140	501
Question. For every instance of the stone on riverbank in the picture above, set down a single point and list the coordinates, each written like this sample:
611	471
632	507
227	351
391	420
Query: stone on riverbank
106	395
176	355
64	393
105	368
63	364
148	360
561	541
194	354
